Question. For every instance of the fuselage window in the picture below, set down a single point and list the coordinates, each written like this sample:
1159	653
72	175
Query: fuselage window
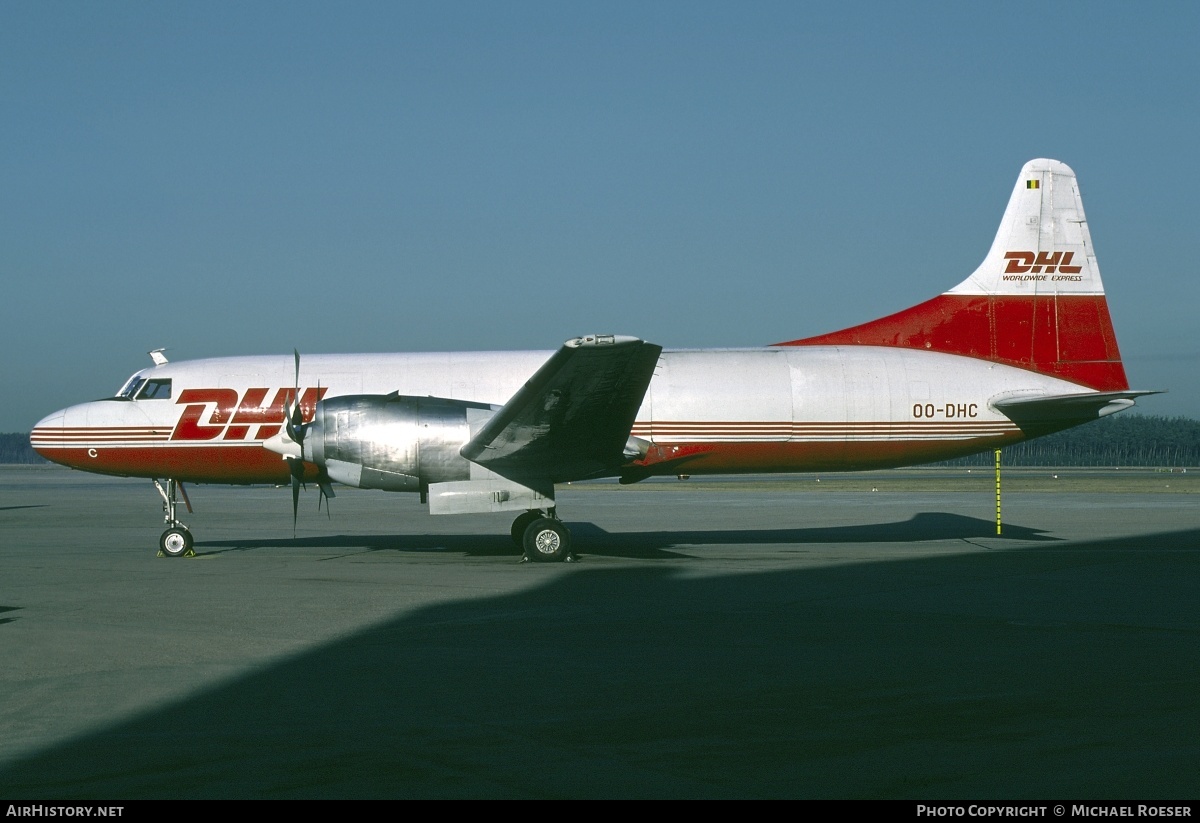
156	390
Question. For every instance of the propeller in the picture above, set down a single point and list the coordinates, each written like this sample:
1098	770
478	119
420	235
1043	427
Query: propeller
290	443
293	425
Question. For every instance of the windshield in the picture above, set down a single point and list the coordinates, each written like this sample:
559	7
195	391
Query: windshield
159	389
129	390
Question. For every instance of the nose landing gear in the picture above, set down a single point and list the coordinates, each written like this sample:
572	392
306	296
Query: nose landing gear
176	541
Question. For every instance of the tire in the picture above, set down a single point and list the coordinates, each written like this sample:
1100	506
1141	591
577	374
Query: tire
175	542
521	524
547	540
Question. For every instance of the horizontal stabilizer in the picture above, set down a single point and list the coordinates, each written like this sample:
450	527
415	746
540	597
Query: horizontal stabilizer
572	420
1043	414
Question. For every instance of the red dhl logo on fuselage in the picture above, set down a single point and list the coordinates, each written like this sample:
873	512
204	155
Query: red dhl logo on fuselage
230	417
1027	262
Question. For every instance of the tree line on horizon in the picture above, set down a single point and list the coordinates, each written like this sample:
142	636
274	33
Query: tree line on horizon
1118	441
1121	440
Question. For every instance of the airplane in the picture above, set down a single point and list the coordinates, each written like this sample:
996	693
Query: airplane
1022	347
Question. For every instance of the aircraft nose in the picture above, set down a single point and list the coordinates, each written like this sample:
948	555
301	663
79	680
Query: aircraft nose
47	435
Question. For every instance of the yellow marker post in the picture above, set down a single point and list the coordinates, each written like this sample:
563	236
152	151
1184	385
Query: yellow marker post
997	491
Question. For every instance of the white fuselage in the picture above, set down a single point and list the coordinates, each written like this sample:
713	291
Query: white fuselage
797	408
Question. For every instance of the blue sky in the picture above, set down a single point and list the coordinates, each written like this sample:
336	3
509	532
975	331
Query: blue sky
241	178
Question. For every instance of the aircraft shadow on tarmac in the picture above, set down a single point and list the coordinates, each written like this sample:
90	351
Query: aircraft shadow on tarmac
592	539
1064	670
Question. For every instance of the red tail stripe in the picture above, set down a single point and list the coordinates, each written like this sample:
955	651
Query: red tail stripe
1066	336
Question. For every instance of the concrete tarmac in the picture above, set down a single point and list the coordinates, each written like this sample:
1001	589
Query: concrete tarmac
750	639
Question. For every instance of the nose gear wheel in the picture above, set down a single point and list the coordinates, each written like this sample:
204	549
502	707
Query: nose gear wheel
176	541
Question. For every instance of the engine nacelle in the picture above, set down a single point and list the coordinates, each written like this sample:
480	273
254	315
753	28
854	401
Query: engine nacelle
392	442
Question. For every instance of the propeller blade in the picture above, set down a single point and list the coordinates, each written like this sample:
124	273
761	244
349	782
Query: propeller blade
295	495
326	493
296	469
294	417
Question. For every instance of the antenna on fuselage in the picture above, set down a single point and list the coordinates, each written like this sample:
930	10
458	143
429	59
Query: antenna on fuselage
157	356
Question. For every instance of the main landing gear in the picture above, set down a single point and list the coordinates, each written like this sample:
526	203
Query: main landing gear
542	537
176	541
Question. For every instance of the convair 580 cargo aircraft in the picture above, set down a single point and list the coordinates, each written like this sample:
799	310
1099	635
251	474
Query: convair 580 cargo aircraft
1023	347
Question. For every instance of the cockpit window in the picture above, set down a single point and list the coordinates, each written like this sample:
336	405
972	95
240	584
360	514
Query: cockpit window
159	389
130	389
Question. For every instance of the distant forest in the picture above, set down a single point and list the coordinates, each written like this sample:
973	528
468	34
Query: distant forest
1119	440
15	448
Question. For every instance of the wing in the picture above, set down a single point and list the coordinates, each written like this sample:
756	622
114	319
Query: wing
571	421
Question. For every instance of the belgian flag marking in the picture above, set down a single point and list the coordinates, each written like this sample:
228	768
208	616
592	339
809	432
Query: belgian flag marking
1031	184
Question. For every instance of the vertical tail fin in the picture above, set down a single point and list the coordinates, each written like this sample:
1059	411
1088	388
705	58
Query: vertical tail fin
1036	301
